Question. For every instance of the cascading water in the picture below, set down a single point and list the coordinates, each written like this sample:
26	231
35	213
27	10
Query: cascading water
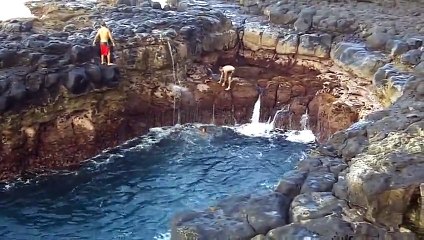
284	109
256	128
213	113
174	74
304	121
256	111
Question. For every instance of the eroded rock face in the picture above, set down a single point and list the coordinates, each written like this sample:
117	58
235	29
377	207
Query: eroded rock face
155	82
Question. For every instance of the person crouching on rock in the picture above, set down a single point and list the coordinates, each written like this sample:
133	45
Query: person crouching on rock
105	35
226	75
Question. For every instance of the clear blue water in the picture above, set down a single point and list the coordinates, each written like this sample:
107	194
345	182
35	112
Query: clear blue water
132	192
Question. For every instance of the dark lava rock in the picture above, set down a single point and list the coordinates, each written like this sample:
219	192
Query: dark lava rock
4	84
77	81
34	82
240	217
17	91
4	103
7	58
291	183
52	79
94	73
80	54
110	75
412	57
56	47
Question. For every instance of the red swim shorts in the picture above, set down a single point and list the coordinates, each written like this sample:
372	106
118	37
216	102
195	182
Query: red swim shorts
104	49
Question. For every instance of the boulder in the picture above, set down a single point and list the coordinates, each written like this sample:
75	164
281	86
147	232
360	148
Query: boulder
317	45
52	79
252	36
397	47
77	81
94	73
328	227
319	180
314	205
34	82
281	15
287	44
269	38
384	179
412	57
378	40
241	217
304	20
291	183
355	58
17	91
419	69
80	54
4	103
8	58
110	75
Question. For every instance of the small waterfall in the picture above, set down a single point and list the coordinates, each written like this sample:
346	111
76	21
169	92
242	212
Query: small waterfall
256	111
173	113
304	121
284	109
290	121
174	74
213	113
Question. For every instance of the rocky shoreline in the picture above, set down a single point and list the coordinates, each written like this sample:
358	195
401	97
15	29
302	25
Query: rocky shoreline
59	107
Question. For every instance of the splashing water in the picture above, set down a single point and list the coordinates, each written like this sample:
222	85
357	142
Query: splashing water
304	121
258	129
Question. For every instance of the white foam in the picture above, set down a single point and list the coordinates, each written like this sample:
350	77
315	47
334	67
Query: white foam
163	236
304	136
10	9
255	129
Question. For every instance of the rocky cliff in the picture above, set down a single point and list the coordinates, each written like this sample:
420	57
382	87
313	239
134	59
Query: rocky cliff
59	106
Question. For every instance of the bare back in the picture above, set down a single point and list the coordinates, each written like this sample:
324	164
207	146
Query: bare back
228	68
104	35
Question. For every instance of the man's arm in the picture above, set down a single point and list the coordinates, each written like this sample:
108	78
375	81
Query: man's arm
110	37
95	38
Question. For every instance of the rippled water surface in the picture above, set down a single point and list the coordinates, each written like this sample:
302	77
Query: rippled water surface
131	192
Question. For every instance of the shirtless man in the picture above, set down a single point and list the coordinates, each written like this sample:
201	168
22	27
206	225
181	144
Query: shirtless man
105	35
226	75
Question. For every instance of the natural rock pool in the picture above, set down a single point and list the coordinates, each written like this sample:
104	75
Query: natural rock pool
131	192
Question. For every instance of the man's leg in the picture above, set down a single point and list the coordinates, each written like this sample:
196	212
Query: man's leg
102	57
230	74
220	78
225	78
108	58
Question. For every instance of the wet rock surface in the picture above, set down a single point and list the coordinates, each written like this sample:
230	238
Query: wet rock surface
235	218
